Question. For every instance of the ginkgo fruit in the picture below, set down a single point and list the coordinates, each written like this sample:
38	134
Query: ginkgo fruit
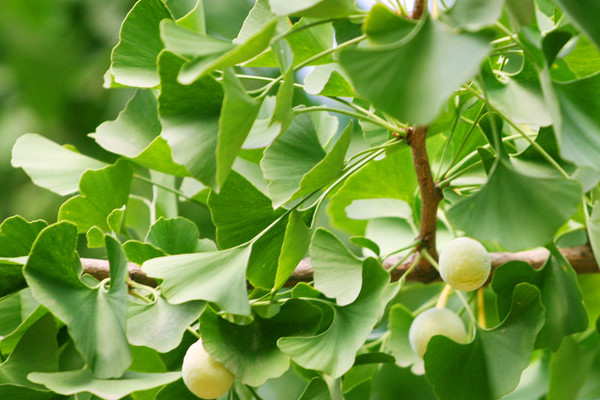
435	321
465	264
203	375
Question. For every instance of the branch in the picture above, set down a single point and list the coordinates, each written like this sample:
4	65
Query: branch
581	258
430	199
418	9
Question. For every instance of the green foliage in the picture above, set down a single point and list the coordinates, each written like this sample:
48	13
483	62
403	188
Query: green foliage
232	162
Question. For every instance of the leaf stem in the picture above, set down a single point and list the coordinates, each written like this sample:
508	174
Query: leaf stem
533	143
378	121
164	187
254	392
481	308
193	332
443	299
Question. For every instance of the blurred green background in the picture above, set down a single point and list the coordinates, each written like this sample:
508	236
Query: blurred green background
53	55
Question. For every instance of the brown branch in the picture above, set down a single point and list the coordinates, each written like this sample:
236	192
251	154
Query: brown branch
418	9
431	196
581	258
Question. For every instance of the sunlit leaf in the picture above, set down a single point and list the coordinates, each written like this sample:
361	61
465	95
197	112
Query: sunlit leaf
392	178
250	48
49	165
337	272
160	325
218	276
135	135
314	8
474	14
101	192
134	57
71	382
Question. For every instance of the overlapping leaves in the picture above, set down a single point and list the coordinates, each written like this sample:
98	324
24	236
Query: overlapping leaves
53	273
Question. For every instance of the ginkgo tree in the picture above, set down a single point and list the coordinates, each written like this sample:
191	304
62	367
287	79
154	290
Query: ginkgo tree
337	151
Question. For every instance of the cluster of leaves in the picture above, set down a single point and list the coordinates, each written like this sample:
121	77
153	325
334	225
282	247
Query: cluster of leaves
509	91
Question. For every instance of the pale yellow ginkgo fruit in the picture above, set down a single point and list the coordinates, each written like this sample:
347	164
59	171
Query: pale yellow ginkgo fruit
465	264
203	375
435	321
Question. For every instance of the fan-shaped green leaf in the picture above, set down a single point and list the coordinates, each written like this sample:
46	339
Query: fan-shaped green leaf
474	15
315	8
49	165
135	135
71	382
101	192
36	351
491	365
517	210
242	347
250	48
187	42
218	276
174	235
392	178
334	350
577	122
134	57
435	62
160	325
561	296
337	272
53	273
190	119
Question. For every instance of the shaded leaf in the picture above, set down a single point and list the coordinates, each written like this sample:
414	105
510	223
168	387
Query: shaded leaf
133	60
496	213
36	351
71	382
53	273
583	13
240	211
190	119
138	252
333	350
491	365
237	118
383	26
561	296
436	62
576	121
296	165
101	192
218	276
394	382
242	347
593	230
49	165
